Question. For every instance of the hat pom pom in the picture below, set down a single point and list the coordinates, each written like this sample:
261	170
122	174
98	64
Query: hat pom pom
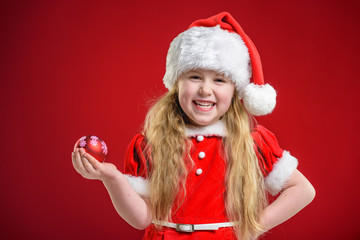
259	99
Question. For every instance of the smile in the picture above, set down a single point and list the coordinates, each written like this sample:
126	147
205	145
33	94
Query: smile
204	105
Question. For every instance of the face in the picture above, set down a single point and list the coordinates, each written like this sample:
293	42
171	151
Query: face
204	96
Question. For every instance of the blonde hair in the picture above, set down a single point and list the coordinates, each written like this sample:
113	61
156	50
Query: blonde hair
245	190
168	149
167	145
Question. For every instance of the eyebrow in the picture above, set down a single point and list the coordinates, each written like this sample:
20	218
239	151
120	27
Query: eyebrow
217	74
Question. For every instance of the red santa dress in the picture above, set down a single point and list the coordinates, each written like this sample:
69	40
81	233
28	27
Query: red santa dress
204	201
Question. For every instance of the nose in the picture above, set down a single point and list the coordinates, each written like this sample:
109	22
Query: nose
205	89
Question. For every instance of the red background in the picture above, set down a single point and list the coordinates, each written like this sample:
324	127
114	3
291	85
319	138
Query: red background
72	68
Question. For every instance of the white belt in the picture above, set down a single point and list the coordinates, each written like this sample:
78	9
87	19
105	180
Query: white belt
194	227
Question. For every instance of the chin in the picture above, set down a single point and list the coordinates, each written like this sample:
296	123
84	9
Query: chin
202	123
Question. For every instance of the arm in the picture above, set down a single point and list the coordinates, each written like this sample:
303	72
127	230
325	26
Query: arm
298	192
129	205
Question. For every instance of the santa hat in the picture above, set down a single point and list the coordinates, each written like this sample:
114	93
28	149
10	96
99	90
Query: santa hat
218	43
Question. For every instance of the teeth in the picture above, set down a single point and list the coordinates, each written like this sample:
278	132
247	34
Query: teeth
203	104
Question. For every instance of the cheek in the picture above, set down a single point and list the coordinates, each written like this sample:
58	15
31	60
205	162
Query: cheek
183	99
182	102
185	93
225	105
225	99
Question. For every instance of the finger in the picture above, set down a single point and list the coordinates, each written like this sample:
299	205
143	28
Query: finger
77	162
73	159
89	168
76	144
78	165
94	162
86	163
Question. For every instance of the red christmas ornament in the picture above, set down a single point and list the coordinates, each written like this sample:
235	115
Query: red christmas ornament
93	145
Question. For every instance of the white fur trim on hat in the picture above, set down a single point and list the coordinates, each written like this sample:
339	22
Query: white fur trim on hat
259	99
281	173
210	48
139	184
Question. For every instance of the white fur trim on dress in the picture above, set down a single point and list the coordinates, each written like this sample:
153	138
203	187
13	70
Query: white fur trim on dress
216	129
259	99
139	184
210	48
281	173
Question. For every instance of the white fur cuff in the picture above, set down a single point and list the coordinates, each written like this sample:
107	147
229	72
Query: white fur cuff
139	184
281	173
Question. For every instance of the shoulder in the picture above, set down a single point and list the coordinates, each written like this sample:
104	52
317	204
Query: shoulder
137	166
266	140
138	140
136	160
276	164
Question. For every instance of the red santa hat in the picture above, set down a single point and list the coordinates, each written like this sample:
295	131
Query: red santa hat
218	43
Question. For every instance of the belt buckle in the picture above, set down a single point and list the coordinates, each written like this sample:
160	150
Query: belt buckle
189	228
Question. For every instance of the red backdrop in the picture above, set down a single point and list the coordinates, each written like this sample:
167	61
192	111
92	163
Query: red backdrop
72	68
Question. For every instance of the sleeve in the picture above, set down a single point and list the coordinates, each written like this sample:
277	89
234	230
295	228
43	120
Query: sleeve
136	169
276	164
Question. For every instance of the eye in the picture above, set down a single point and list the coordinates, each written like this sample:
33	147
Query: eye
194	77
220	80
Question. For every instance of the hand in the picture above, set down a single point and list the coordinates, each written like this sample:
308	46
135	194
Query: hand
90	168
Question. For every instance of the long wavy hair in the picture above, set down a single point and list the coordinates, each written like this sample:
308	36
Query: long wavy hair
168	147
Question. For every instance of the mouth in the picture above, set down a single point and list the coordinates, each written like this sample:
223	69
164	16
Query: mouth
204	105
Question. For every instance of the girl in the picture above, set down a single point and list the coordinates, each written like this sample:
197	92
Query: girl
202	167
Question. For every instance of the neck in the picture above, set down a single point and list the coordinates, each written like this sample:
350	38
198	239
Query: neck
215	129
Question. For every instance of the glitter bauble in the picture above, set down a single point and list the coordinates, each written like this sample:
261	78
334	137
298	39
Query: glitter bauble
94	146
